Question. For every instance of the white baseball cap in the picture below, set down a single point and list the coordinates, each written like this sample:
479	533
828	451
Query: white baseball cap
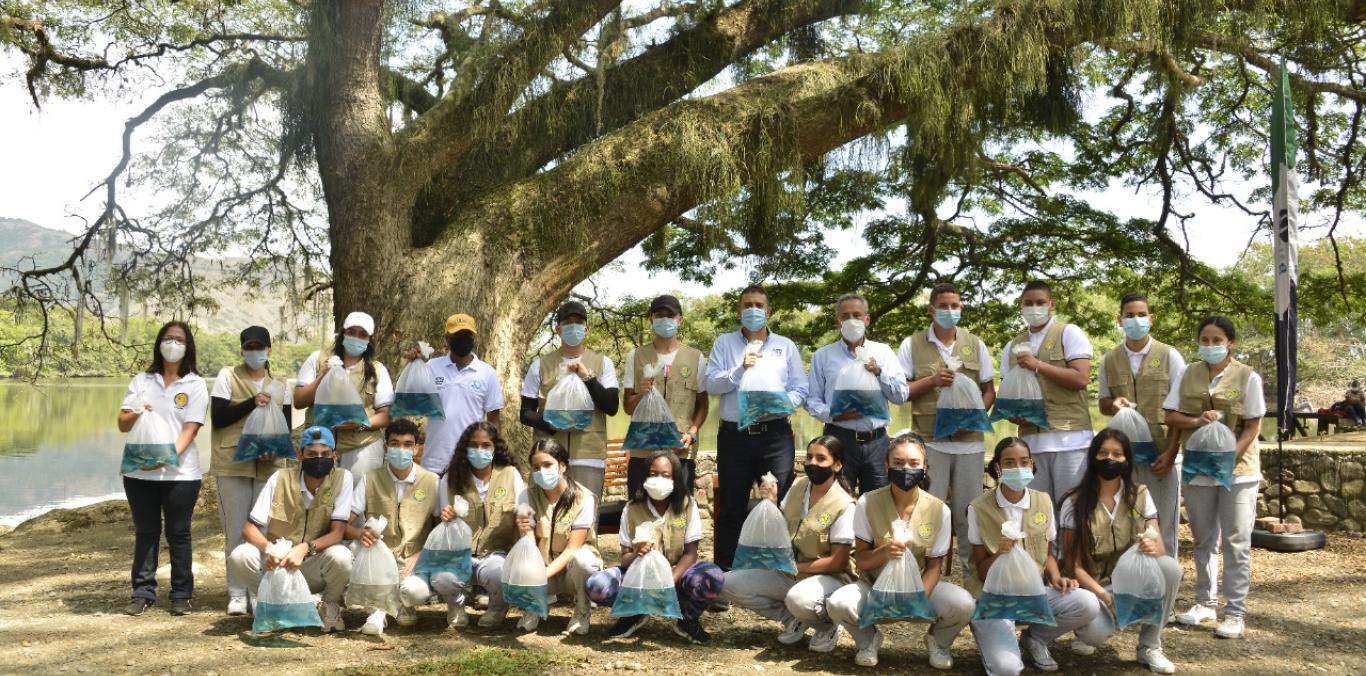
360	319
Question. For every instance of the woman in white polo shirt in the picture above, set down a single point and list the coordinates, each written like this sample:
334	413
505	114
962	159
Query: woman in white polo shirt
172	389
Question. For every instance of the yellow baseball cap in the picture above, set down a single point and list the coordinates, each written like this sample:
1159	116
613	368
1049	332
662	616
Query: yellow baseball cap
460	322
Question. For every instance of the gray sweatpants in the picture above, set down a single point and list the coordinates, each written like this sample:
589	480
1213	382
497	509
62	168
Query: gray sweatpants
1166	494
1099	630
1000	648
776	596
487	573
592	478
326	573
1058	472
236	495
1222	518
953	607
956	478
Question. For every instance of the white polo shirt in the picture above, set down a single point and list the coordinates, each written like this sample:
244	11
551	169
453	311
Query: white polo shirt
1075	345
1014	511
468	394
986	374
863	528
531	389
341	509
692	532
185	401
1254	406
384	386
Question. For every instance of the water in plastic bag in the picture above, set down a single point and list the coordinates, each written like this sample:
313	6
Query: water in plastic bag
763	390
1138	586
283	601
764	543
960	409
524	578
1020	396
898	593
648	586
856	389
1014	588
448	549
568	405
1211	451
374	574
652	425
1132	423
415	393
266	432
336	401
151	442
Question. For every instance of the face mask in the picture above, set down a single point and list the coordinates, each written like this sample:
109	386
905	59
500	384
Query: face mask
399	458
461	346
572	334
906	478
947	318
754	318
1110	468
547	478
1017	478
255	359
817	474
665	327
659	488
1212	354
354	347
852	330
316	467
172	350
1136	328
479	457
1035	315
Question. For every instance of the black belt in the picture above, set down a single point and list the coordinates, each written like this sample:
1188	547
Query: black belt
778	425
861	437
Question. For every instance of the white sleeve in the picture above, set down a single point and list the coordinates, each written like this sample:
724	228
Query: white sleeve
1254	400
1075	344
1176	367
493	397
903	355
1066	514
358	496
308	371
987	372
1149	509
197	409
519	487
626	528
1102	383
1052	529
587	515
628	375
945	536
132	395
1173	400
842	530
341	510
863	530
384	386
974	537
260	510
693	531
531	384
608	377
702	374
443	496
221	388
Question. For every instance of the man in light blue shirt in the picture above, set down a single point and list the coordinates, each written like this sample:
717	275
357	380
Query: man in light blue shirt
745	455
864	433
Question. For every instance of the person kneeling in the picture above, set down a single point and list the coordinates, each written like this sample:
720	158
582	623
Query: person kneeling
564	519
310	508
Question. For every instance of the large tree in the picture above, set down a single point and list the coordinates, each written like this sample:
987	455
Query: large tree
488	156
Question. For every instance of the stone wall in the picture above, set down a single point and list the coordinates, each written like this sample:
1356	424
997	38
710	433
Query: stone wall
1323	485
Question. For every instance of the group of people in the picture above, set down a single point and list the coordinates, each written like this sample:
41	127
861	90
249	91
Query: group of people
1080	496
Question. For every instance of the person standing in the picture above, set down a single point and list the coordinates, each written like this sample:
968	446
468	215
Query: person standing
360	446
864	436
469	389
680	378
172	390
745	455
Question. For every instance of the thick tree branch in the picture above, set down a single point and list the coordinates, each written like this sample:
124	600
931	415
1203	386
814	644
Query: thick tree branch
1268	64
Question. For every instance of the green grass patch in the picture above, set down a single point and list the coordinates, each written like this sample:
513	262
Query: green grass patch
478	661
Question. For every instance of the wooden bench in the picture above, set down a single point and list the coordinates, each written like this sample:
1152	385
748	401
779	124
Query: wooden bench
1326	422
609	512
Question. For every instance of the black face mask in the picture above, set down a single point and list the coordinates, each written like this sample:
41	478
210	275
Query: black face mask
906	478
317	467
461	346
817	474
1111	469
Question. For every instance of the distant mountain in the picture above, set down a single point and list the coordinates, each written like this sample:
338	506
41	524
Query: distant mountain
23	238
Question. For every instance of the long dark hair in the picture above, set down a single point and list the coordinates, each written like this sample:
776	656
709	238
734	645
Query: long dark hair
836	448
677	499
912	438
1086	496
994	467
459	471
187	363
570	496
368	355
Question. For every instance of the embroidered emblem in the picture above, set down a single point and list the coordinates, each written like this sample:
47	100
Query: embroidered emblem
680	522
419	495
567	518
967	351
327	496
500	493
825	519
1040	518
684	371
181	399
1050	344
926	531
1231	393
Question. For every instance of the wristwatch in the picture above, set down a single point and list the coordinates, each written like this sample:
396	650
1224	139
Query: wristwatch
312	549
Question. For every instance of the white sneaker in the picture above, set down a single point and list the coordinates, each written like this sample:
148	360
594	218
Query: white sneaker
825	640
481	602
493	617
456	617
1231	627
867	655
1156	661
1038	652
237	606
332	617
793	632
578	624
407	617
1080	647
939	655
1197	614
374	625
529	622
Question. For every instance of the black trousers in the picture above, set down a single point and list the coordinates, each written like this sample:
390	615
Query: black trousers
153	502
638	470
865	457
742	457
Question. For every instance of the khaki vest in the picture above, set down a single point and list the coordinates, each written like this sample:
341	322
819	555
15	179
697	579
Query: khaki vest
553	538
811	534
349	440
670	536
926	518
410	519
289	519
1109	540
589	444
493	521
224	439
1148	390
679	388
990	518
1067	410
927	361
1228	398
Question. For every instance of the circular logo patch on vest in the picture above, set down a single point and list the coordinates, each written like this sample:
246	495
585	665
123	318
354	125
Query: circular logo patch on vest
419	495
680	522
1231	393
1155	364
967	351
1050	344
825	519
567	518
181	399
327	495
1040	518
500	493
925	531
684	371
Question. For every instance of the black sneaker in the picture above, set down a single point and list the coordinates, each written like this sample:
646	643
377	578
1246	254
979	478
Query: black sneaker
137	606
718	607
693	631
627	626
181	607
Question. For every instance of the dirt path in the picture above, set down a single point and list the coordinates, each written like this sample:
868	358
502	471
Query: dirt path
63	579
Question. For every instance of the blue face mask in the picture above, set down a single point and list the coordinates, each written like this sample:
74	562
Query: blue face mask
1214	354
1136	328
665	327
572	334
547	478
754	318
354	347
947	318
399	458
255	359
479	457
1017	478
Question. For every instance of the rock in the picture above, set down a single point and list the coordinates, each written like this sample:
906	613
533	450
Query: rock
1357	509
1349	525
1272	491
1294	503
1329	481
1351	489
1336	505
1314	502
1350	470
1318	517
1292	519
1306	487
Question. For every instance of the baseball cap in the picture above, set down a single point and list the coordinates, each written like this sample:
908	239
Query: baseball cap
569	309
460	322
317	435
665	301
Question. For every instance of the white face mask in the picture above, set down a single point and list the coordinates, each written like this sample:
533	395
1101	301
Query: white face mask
659	488
852	330
1034	315
172	350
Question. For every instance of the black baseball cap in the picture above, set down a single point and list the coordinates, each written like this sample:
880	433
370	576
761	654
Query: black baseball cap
569	309
666	301
255	333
